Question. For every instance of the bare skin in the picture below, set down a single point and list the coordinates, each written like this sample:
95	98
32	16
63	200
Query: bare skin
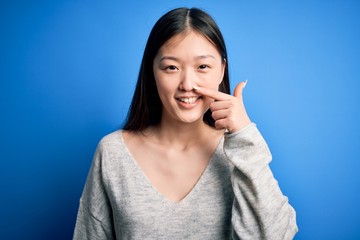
174	154
173	165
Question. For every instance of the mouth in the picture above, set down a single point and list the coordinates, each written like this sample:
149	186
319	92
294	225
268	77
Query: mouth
188	100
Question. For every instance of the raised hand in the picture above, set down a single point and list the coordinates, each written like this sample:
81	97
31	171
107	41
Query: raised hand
228	111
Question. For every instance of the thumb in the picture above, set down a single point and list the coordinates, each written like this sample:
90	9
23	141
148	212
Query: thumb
239	88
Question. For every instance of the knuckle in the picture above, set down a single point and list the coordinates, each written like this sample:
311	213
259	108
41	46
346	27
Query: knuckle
214	115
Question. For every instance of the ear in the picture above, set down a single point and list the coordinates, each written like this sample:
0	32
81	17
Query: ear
223	66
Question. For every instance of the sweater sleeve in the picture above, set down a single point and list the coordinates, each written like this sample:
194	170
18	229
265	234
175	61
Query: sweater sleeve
94	219
260	210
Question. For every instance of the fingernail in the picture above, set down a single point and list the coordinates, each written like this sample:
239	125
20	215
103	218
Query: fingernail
196	88
245	82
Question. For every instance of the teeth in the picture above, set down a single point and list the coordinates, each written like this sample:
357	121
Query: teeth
188	100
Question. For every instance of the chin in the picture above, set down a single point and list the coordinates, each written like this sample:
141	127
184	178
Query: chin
187	116
191	119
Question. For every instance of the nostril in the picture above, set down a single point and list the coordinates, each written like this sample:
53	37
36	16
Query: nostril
186	87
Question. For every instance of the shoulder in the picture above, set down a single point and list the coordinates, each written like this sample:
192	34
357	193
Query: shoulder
111	142
133	139
111	151
113	138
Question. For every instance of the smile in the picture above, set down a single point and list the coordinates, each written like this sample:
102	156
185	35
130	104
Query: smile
188	100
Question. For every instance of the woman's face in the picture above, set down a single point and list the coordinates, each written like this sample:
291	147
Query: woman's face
182	63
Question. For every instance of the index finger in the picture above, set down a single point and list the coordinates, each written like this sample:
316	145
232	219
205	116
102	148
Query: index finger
219	96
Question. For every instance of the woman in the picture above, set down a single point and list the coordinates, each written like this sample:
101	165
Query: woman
188	164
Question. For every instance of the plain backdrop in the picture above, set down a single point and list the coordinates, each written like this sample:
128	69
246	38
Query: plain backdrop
68	71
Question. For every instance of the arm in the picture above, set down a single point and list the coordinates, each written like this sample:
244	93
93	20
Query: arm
94	219
260	210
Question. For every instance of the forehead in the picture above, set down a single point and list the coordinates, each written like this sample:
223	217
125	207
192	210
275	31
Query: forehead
188	42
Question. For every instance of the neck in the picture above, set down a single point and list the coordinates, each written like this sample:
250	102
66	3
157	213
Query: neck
181	134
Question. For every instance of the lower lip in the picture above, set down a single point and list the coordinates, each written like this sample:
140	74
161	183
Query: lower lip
188	105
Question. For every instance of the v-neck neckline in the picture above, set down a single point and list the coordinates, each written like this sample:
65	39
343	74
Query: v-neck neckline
160	195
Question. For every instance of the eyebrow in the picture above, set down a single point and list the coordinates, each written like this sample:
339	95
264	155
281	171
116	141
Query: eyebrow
177	59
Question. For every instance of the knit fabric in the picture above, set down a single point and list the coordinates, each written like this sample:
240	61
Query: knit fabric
236	197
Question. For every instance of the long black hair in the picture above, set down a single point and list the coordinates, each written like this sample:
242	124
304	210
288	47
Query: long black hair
146	107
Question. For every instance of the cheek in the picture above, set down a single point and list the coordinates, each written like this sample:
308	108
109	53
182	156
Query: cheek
207	102
165	88
211	82
161	90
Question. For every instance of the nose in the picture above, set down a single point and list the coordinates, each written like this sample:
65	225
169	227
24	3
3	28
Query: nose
187	82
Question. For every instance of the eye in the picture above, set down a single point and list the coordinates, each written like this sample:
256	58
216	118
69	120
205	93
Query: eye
204	67
171	68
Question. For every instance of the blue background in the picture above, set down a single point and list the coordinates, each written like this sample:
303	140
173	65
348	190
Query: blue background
68	71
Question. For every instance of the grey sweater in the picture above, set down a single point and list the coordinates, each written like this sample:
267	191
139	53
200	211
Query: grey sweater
236	197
